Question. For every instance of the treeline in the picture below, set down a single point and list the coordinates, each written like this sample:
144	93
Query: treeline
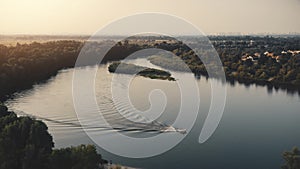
26	144
279	68
271	61
23	65
240	44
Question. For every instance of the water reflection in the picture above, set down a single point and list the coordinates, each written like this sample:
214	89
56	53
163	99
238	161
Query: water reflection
289	90
259	122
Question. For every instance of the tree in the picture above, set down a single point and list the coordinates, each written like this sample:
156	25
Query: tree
264	76
24	142
292	159
80	157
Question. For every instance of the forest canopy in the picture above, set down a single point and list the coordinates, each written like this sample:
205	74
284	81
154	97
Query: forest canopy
26	143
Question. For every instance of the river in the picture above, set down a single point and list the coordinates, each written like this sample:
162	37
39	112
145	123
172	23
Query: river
257	124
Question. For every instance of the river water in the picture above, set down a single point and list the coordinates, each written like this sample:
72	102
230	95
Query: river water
257	124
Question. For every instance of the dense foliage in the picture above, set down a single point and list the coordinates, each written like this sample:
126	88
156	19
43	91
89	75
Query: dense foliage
26	144
80	157
269	60
23	65
292	159
261	60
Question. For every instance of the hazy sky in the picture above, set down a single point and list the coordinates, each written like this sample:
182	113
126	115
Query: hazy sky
88	16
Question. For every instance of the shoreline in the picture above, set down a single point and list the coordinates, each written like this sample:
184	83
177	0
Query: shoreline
24	65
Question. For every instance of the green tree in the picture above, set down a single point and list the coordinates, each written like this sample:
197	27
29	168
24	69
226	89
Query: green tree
24	142
80	157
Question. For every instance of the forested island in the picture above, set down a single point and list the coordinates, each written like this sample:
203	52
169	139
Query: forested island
126	68
272	61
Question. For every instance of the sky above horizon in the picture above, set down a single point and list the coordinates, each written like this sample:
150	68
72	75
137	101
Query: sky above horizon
72	17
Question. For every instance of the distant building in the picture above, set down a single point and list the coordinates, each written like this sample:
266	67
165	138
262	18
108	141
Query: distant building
295	52
253	58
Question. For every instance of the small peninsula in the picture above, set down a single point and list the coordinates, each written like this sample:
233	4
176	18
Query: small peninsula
127	68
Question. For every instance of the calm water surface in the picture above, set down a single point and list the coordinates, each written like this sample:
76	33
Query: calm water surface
257	125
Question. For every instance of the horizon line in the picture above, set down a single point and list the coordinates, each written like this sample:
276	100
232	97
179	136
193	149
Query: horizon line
116	35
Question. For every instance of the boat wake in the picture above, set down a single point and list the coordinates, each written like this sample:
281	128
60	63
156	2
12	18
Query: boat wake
118	124
140	123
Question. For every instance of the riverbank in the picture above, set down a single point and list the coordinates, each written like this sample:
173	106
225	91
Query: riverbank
266	61
240	75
